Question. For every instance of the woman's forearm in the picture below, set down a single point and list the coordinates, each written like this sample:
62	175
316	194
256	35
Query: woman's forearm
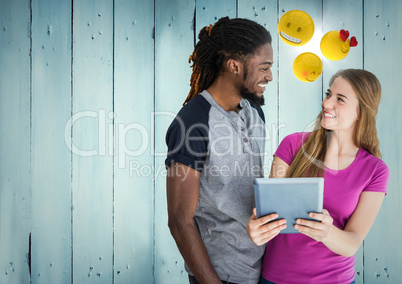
343	242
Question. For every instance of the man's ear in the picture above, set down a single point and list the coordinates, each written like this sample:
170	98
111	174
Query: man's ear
234	66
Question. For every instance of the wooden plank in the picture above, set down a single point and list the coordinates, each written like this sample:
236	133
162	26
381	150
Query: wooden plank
93	165
174	42
265	13
51	159
133	167
350	19
15	141
299	102
209	12
382	247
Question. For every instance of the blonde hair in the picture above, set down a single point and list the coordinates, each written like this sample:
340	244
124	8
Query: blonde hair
309	160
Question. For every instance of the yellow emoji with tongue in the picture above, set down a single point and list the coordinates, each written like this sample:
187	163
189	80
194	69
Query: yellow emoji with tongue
335	45
296	27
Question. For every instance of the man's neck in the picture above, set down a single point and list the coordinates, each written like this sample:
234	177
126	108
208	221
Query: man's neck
225	94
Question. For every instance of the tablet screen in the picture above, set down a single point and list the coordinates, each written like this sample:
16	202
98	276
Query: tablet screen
290	198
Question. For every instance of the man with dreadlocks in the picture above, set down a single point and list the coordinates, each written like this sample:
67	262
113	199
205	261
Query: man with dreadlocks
215	148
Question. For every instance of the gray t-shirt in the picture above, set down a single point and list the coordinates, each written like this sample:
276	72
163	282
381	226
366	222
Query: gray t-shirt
227	148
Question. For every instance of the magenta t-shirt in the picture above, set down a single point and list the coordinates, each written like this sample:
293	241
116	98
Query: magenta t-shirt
296	258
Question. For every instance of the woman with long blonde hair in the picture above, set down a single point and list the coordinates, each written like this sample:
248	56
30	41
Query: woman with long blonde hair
344	149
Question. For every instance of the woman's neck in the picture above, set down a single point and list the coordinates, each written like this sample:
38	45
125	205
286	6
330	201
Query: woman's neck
341	151
341	143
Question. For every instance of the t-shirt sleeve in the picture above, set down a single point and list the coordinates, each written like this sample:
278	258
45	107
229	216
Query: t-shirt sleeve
379	180
186	145
289	147
187	136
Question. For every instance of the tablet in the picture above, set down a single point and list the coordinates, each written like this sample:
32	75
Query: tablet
290	198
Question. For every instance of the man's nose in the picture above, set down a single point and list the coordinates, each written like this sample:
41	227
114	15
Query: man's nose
268	77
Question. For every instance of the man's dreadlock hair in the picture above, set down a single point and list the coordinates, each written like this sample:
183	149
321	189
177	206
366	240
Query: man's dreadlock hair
227	39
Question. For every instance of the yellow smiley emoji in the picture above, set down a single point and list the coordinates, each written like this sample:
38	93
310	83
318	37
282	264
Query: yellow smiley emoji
296	27
307	67
333	46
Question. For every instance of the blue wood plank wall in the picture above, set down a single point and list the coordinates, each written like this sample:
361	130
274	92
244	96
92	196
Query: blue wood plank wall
50	158
174	41
15	153
133	107
382	247
87	91
92	171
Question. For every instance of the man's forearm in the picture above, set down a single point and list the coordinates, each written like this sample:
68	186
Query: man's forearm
193	250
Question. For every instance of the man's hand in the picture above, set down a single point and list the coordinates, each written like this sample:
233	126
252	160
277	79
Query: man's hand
183	188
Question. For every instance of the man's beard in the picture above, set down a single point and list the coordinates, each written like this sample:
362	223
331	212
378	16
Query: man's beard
253	97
